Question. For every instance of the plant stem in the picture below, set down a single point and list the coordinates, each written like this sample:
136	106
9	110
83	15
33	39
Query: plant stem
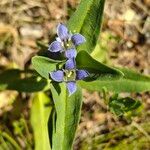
11	140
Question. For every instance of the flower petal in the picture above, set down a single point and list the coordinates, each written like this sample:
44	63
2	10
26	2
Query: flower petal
71	86
78	39
70	64
81	74
57	75
55	47
62	32
58	39
71	53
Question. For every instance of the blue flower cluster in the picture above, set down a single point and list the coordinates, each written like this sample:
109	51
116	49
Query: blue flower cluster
66	43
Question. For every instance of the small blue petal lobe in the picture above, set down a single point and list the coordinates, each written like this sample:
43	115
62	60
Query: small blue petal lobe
71	53
58	39
57	75
62	32
78	39
70	64
55	47
71	86
81	74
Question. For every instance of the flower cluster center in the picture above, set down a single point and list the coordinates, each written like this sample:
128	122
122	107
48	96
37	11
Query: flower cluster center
69	75
68	44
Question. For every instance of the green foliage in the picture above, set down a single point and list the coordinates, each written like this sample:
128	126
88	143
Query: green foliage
100	53
7	142
22	81
131	82
127	137
85	61
119	106
102	49
87	20
67	114
44	65
61	121
40	113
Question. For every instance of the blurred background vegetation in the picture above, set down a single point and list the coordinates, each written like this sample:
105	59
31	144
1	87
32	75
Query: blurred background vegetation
124	41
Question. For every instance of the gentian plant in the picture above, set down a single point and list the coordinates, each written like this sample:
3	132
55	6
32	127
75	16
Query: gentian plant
77	69
57	83
66	42
69	75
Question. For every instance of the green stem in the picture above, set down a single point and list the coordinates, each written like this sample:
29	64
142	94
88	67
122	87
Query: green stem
11	140
3	145
105	95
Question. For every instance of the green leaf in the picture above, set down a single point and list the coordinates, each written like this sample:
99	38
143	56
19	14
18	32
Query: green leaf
67	114
22	81
85	61
119	106
40	113
100	53
131	82
87	20
44	65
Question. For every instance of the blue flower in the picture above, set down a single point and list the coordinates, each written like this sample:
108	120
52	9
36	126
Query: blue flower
66	42
69	75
